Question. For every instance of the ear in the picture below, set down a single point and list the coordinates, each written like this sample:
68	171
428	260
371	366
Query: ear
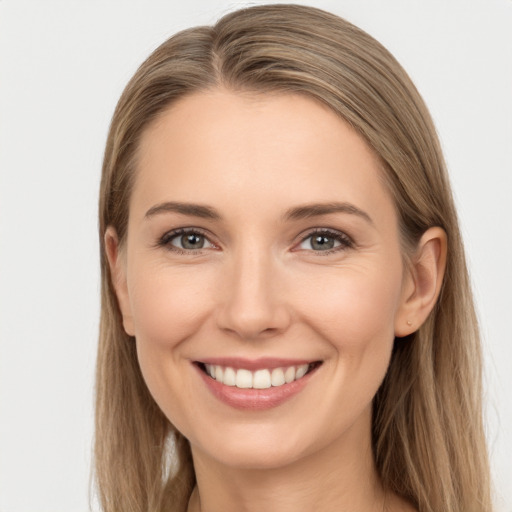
117	263
423	281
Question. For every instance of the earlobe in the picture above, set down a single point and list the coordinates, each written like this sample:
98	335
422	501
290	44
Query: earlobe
424	282
118	273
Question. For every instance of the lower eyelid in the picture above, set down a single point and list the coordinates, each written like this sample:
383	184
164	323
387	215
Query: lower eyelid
343	240
207	244
167	238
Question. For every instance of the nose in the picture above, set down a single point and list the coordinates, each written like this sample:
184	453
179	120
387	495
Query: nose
253	304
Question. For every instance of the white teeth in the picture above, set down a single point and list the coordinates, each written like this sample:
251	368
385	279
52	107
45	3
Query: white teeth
229	377
210	370
289	374
260	379
301	371
277	378
243	379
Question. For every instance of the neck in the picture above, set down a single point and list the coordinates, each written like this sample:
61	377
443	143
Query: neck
339	477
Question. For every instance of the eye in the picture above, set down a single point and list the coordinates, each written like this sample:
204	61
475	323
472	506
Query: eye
325	241
185	240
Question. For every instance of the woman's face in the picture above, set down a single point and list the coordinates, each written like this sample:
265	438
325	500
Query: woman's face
261	244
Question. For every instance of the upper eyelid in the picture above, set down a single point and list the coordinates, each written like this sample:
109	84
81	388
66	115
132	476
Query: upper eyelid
180	231
166	238
345	241
326	231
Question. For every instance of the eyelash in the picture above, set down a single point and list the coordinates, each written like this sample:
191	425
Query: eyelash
166	239
345	242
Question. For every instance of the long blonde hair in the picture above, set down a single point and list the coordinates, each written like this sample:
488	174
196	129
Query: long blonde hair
428	437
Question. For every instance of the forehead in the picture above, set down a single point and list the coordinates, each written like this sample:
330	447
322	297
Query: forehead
253	152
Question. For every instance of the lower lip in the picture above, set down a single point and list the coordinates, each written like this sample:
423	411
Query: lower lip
254	399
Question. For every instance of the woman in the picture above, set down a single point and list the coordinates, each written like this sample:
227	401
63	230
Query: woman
287	320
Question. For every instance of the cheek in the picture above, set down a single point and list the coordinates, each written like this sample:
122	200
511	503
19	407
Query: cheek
354	317
168	305
354	307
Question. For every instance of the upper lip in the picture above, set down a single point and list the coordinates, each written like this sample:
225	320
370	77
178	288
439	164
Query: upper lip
255	364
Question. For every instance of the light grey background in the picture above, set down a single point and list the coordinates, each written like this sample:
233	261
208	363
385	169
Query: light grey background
63	66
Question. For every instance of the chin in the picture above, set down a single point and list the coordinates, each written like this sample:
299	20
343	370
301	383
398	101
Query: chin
256	457
252	448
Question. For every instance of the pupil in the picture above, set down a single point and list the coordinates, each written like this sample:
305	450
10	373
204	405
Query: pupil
192	241
322	243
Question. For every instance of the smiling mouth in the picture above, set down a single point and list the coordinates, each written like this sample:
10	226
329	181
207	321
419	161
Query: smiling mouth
263	378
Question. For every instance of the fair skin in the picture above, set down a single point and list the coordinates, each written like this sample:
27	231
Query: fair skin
256	278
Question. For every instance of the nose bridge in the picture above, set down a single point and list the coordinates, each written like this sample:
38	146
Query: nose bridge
253	304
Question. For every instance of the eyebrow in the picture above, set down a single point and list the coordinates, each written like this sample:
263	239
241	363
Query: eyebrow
296	213
317	209
194	210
